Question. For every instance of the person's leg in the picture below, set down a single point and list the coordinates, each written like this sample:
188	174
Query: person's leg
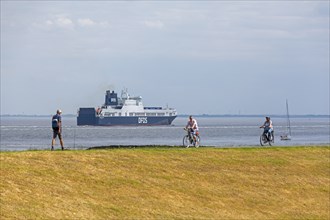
53	140
270	135
194	135
61	140
62	145
53	143
266	133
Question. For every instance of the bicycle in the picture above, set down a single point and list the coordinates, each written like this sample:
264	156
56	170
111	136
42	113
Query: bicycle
266	138
191	139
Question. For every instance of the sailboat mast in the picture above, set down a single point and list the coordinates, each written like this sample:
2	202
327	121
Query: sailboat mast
288	118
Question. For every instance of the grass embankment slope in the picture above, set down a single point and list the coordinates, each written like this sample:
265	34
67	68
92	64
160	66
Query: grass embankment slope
165	183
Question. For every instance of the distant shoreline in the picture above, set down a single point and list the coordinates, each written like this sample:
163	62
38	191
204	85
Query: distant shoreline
186	115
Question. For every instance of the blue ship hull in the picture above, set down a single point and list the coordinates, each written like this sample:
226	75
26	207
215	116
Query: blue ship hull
87	116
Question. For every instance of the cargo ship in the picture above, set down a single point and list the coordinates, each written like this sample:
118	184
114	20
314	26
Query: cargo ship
125	110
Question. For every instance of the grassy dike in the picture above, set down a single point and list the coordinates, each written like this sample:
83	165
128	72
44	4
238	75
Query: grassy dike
167	183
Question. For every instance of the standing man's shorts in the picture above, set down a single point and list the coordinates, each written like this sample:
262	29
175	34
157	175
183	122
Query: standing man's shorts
57	133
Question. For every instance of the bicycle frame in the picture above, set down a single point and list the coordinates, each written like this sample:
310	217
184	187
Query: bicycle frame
266	138
191	139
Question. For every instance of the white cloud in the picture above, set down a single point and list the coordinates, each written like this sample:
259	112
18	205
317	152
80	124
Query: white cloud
45	25
86	22
64	22
154	24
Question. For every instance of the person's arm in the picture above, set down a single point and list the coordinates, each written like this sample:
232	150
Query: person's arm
59	124
262	126
194	126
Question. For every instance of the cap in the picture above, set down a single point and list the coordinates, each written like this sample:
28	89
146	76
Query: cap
59	111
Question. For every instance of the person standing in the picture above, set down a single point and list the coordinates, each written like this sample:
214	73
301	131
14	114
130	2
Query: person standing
57	128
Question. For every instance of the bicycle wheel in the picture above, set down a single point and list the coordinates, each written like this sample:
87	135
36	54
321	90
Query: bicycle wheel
197	142
270	141
263	140
186	141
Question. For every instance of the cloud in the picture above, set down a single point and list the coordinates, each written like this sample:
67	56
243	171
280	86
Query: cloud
154	24
87	22
60	21
64	22
84	22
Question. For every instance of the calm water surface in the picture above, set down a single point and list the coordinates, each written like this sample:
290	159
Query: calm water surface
22	133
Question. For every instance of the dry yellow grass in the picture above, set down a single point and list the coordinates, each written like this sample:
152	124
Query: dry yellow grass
167	183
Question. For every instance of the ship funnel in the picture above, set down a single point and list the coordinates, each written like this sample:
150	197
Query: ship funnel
111	98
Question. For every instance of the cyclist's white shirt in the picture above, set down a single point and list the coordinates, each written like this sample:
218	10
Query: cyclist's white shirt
268	124
192	124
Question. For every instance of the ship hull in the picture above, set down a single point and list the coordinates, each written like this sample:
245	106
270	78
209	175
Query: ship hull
87	116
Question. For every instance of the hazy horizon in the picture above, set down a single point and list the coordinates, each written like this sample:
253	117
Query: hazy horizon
199	57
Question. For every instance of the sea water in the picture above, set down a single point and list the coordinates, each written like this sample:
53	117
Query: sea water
24	133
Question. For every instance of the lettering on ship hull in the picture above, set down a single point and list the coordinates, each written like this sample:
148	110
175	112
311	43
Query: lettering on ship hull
143	120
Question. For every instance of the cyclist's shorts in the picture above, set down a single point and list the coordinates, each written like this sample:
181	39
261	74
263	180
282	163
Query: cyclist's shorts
195	132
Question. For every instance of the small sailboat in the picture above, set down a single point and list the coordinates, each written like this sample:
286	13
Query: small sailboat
287	135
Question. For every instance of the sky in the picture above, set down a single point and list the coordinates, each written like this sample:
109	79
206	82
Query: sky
199	57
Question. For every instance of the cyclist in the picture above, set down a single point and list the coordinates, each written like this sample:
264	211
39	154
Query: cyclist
192	125
268	127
